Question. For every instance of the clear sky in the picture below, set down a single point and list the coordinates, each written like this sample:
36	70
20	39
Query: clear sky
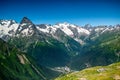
80	12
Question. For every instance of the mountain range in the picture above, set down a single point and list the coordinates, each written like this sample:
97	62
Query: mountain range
45	51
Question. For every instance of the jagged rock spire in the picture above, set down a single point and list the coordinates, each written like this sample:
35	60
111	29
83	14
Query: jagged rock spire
26	20
26	27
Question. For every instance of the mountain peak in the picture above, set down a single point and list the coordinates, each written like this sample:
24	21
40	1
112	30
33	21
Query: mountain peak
26	27
26	20
64	23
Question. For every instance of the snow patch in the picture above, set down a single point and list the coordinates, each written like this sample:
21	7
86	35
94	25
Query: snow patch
43	30
80	41
81	30
64	28
8	29
6	22
23	24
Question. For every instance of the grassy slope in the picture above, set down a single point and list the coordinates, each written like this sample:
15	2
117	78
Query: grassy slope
12	69
111	72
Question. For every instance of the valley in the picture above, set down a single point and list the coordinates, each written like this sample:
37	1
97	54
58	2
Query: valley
31	51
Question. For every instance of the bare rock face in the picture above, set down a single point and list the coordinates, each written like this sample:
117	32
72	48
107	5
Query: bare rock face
23	59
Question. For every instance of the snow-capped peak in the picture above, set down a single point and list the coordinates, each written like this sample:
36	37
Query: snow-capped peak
69	29
26	27
64	27
64	24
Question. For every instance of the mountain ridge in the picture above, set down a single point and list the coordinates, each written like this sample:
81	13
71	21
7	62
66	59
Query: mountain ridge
74	31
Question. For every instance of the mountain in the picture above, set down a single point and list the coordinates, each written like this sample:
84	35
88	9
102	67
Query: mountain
110	72
26	27
102	50
16	65
7	28
70	30
63	47
42	45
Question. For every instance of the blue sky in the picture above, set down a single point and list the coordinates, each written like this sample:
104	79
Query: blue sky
80	12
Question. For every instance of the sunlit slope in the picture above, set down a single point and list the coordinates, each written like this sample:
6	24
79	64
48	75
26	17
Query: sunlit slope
110	72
